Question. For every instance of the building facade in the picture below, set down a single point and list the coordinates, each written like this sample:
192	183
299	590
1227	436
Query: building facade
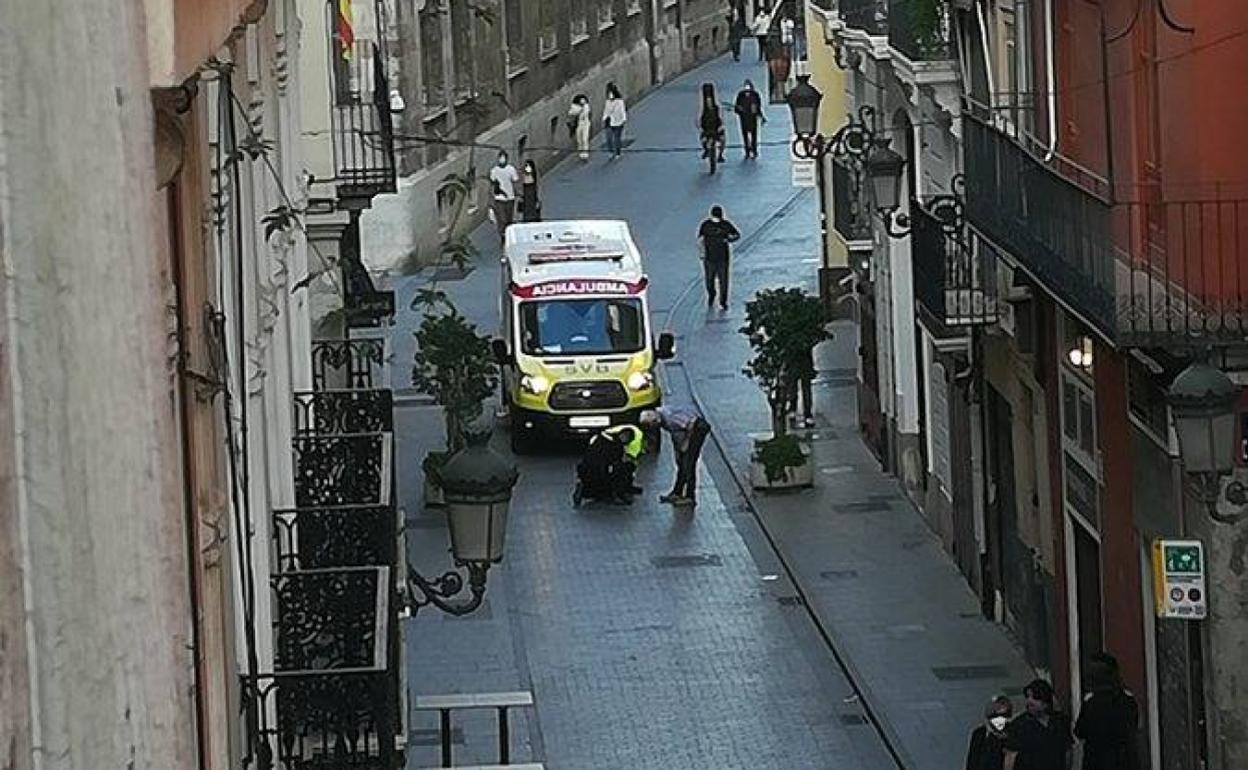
1014	367
165	404
475	76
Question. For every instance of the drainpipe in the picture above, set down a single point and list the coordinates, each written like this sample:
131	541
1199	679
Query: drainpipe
1049	74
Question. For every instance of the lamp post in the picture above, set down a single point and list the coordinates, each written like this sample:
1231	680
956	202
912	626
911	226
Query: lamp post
850	143
476	484
1202	399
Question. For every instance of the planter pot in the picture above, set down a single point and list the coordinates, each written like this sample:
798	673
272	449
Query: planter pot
794	477
433	494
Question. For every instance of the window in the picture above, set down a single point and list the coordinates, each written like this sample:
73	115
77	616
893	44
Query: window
462	43
581	326
632	7
579	23
606	13
431	59
513	28
1147	401
547	43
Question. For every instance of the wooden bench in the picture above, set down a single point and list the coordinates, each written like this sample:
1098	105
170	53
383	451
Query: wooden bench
502	701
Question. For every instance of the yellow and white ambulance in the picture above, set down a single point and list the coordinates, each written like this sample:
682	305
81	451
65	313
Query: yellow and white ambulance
576	344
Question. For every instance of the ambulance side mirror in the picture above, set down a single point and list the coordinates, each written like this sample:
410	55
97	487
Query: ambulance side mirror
501	354
666	348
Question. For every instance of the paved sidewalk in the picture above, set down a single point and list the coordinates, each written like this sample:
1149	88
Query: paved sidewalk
906	623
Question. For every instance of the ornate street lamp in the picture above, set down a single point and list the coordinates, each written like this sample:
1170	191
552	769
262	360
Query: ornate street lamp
476	485
804	101
1202	399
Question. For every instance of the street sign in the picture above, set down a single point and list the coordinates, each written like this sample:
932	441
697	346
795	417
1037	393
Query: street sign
1179	579
803	172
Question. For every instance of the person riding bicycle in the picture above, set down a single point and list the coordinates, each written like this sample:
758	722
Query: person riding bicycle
711	124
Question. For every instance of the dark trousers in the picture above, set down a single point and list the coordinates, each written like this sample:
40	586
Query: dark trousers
762	46
687	459
504	214
734	45
716	272
749	137
802	394
615	140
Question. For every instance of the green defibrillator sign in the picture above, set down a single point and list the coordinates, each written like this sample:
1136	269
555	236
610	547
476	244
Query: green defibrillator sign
1179	579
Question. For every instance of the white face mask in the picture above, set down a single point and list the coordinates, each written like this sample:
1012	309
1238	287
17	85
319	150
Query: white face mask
998	722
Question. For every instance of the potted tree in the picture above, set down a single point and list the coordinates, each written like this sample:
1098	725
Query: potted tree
454	365
783	326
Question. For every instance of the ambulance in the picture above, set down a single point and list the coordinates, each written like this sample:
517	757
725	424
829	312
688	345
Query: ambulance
576	344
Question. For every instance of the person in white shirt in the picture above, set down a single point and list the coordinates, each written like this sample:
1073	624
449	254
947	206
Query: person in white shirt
760	28
579	122
614	116
503	179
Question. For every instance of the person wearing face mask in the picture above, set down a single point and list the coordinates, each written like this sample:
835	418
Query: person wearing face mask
530	203
987	750
503	179
749	109
1038	739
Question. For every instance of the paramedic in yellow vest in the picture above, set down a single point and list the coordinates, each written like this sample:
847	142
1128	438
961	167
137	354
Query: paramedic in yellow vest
633	440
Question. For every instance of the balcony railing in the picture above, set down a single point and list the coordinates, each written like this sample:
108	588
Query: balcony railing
922	30
362	126
342	469
1146	271
357	364
848	215
321	537
954	284
343	411
870	16
330	701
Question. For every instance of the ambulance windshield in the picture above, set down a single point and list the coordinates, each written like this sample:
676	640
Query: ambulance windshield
582	327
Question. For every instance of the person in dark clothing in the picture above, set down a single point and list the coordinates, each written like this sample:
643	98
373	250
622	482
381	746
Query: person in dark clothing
1039	738
987	749
688	429
710	123
1108	723
530	203
749	109
737	29
716	233
801	386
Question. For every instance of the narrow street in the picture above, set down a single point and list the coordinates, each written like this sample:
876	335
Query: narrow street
756	633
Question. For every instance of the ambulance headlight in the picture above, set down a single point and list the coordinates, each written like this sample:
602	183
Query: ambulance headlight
640	381
535	384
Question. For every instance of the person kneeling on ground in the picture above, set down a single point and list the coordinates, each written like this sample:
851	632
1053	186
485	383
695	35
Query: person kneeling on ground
607	469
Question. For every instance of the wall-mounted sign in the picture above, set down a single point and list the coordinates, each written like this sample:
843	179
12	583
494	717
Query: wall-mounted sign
1179	579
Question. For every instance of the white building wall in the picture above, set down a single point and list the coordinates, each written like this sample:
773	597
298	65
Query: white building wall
96	667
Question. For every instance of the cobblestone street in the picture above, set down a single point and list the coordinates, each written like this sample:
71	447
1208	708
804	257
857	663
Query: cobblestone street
658	639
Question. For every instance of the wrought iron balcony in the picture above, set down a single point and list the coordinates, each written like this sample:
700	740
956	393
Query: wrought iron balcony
322	537
922	30
1148	271
343	411
849	215
362	124
870	16
342	469
357	364
330	701
954	284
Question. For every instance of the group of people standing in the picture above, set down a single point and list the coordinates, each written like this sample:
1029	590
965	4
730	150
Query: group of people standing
1041	738
614	117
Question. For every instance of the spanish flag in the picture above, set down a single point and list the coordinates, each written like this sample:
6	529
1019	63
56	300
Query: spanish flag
346	33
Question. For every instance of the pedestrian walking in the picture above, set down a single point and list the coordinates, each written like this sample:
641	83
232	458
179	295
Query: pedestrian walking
987	749
715	234
749	109
503	179
1039	738
580	122
1108	722
530	203
614	116
737	31
688	429
760	28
